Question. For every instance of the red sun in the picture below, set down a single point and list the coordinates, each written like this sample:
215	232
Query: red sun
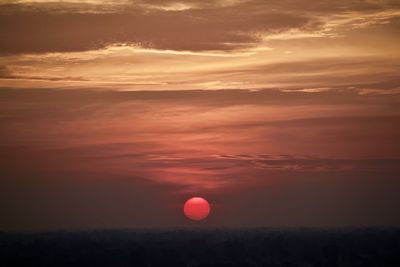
196	208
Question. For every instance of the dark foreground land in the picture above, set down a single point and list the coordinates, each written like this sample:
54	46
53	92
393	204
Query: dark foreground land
304	247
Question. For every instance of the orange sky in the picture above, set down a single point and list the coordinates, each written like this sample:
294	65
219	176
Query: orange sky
163	45
133	106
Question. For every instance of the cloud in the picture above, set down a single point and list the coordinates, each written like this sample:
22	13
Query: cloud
215	25
198	139
198	30
363	72
5	72
213	45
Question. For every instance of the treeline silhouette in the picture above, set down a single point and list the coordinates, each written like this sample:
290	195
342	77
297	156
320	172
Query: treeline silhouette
198	248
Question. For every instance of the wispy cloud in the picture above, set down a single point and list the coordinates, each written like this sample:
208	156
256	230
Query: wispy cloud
175	45
199	139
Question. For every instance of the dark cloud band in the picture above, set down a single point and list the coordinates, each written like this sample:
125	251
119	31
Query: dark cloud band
39	31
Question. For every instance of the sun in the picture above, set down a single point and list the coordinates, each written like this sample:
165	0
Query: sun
196	208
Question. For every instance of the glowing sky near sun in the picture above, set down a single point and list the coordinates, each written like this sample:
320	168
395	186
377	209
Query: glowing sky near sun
113	107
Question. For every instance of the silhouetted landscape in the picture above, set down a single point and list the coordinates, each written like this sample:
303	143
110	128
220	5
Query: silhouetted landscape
247	247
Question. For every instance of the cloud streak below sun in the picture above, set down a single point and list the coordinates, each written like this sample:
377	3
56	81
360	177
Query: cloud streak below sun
200	140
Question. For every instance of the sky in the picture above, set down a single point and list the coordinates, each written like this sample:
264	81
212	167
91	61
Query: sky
280	113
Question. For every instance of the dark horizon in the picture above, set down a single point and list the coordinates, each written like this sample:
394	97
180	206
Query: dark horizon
204	248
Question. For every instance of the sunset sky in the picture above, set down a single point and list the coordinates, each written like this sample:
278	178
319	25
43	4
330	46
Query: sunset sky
282	113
